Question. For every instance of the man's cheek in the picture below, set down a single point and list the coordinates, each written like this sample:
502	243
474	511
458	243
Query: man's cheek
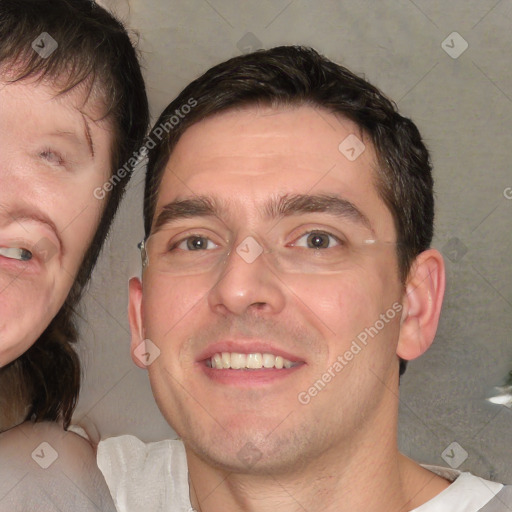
340	305
164	313
316	294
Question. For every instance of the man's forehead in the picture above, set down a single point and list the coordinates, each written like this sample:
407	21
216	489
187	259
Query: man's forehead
287	130
260	141
268	151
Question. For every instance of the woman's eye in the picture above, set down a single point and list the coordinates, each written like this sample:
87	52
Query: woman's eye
51	156
317	240
196	243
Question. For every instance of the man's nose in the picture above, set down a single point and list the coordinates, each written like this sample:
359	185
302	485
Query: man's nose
248	282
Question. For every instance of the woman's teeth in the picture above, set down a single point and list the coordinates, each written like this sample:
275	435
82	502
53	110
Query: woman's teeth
237	361
16	253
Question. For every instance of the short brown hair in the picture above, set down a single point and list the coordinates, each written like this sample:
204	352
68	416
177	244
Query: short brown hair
95	51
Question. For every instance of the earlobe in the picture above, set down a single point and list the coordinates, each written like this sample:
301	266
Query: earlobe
422	303
135	318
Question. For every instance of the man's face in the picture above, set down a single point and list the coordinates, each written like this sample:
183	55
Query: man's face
269	240
53	157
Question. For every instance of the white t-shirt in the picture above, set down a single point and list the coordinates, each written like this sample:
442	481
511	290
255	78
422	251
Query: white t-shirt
154	477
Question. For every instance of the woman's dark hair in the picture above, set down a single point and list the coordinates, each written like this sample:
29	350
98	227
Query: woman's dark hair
94	51
291	75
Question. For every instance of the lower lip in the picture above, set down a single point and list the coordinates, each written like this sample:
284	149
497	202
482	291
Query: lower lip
248	378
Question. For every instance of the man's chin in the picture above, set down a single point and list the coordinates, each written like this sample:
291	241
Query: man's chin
248	451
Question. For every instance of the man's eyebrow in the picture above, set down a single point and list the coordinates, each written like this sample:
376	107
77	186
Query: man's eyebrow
297	204
199	206
288	205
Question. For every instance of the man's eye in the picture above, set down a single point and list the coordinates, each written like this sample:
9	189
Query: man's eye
317	240
51	156
196	243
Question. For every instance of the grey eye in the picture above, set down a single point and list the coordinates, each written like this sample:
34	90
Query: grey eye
196	243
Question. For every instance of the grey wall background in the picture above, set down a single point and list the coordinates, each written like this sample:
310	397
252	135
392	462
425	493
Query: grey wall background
462	103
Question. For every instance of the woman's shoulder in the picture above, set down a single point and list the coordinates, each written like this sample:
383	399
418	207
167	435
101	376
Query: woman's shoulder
50	430
44	467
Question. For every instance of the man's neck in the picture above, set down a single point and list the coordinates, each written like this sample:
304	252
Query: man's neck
385	481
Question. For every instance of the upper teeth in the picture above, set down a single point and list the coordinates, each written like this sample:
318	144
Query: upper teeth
237	361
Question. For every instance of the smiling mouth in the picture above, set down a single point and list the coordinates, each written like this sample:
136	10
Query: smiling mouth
254	361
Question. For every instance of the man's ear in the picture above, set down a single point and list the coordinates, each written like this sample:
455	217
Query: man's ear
422	303
135	318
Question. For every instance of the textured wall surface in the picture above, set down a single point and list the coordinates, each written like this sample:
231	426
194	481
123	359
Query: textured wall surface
448	67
